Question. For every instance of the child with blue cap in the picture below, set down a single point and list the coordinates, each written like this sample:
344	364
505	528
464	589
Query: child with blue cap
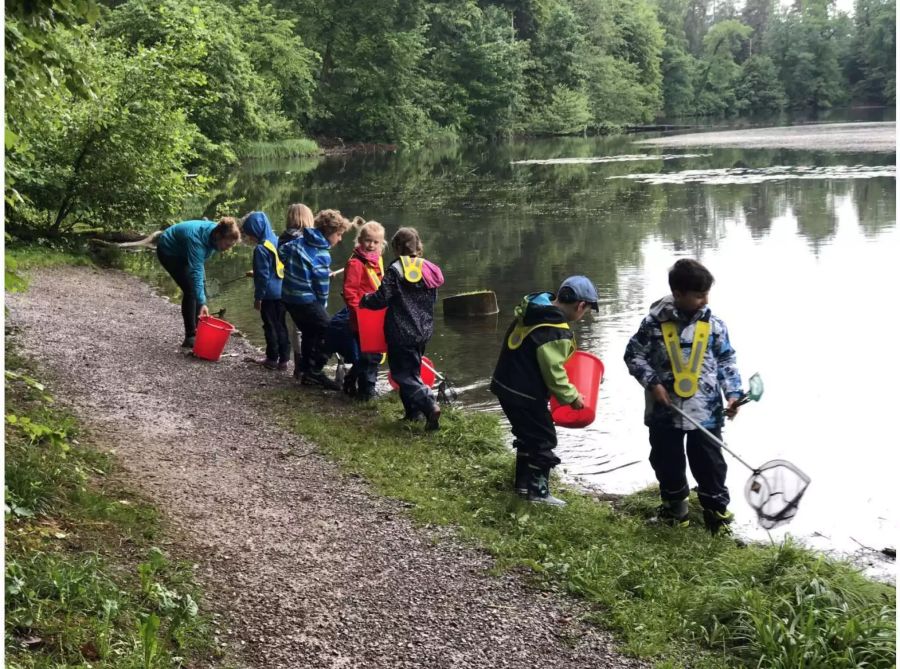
530	369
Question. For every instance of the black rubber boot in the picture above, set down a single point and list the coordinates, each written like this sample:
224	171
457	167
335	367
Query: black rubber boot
673	513
539	487
718	522
522	475
297	370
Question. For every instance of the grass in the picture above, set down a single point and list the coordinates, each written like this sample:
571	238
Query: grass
287	148
85	585
681	597
19	260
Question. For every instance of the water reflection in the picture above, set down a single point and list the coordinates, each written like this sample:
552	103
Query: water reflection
786	252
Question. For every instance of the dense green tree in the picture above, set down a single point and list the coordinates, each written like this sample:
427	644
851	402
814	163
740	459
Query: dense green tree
873	72
475	69
720	71
803	46
114	158
758	87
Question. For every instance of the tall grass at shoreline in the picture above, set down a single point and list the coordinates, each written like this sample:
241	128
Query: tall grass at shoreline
287	148
681	597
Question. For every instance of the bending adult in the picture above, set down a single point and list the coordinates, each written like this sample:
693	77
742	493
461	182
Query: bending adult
183	250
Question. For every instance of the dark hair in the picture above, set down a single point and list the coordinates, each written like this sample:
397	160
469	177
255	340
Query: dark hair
689	275
406	242
567	296
329	221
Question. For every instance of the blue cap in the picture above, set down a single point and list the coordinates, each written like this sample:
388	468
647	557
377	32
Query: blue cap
579	289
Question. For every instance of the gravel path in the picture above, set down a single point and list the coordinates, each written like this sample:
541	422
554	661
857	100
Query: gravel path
307	567
843	137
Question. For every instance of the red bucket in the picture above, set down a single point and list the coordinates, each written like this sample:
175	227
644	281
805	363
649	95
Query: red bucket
426	372
371	330
212	335
585	372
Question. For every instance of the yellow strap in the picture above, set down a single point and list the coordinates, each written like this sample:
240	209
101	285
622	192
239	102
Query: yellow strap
687	373
412	268
376	280
279	266
518	334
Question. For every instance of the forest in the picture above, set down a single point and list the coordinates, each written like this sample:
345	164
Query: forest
116	112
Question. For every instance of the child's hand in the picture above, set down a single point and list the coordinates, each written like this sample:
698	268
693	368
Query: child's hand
250	273
578	403
731	409
257	304
660	395
204	312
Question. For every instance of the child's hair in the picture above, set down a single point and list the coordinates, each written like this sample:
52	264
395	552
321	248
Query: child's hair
367	228
299	216
227	229
406	242
329	221
689	275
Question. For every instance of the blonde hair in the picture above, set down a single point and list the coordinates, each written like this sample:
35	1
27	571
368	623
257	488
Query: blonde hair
406	242
329	221
227	229
299	216
367	228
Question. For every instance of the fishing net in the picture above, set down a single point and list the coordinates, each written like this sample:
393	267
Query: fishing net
774	491
446	392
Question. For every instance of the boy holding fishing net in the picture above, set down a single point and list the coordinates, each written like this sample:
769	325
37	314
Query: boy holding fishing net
682	357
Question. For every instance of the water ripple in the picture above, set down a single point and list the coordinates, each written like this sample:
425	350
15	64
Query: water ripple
747	175
609	159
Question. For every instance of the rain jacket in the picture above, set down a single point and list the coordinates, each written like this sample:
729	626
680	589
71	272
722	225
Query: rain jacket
358	282
307	266
649	363
189	242
534	371
266	282
410	316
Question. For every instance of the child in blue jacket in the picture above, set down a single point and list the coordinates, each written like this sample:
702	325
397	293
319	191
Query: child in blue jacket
307	275
268	271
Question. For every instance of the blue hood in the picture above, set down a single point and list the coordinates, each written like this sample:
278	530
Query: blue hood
257	224
314	238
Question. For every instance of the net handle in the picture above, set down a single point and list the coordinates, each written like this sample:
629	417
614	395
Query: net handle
713	438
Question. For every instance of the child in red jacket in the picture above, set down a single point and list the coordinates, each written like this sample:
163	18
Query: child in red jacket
363	274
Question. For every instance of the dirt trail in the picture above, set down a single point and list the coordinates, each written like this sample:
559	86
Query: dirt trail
307	566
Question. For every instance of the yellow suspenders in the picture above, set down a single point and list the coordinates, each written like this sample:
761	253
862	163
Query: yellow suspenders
687	373
518	334
412	268
374	275
279	266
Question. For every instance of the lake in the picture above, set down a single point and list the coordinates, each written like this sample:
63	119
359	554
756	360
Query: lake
803	246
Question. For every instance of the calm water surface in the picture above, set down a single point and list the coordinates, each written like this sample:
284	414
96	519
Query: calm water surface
803	245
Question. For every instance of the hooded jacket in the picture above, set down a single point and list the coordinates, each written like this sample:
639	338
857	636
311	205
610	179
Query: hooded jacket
358	282
410	317
266	282
535	370
307	268
191	243
649	363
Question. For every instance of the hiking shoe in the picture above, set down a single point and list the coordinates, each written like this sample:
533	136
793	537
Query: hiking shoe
412	416
718	522
318	379
433	422
283	365
673	513
263	362
188	342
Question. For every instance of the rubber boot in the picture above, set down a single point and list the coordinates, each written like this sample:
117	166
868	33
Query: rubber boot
539	487
522	475
718	522
297	370
673	513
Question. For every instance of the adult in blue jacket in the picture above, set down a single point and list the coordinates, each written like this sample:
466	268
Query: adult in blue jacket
183	250
268	271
